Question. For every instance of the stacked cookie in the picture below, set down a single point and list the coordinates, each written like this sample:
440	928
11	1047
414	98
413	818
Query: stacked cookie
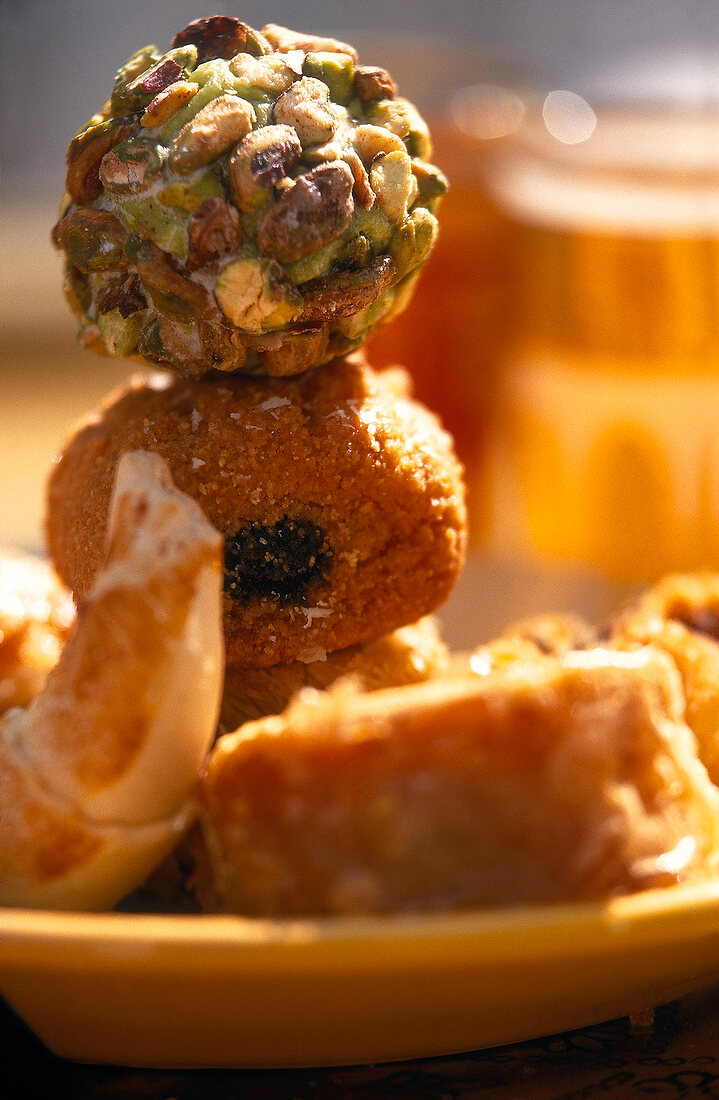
243	211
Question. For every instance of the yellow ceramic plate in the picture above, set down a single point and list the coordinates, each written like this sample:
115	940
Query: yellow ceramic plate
218	991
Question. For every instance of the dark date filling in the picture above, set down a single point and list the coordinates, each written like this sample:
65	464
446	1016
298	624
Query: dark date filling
282	561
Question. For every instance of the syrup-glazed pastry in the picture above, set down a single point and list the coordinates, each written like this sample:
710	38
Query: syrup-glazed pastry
97	774
534	637
36	614
409	655
680	614
563	778
340	499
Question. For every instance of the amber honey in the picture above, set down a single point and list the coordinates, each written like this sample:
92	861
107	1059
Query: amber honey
608	412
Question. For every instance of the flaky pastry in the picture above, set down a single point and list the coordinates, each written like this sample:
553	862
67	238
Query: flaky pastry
96	775
36	614
680	614
562	778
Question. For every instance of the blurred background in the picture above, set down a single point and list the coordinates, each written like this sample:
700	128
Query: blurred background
566	326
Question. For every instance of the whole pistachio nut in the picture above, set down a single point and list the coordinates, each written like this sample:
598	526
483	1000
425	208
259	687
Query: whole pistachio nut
247	200
343	295
130	167
86	152
167	102
214	232
93	240
215	129
260	162
221	36
314	211
373	83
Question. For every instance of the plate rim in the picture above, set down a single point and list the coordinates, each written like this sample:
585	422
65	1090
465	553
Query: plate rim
652	910
450	981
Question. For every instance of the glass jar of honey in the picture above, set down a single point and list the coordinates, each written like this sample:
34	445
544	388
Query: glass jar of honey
605	423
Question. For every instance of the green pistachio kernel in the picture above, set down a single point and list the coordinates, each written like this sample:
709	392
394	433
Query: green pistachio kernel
316	264
170	344
169	286
413	241
147	216
360	324
77	290
185	56
165	134
374	225
130	167
431	183
188	196
218	72
93	240
391	180
418	140
336	70
120	334
403	119
255	296
138	63
263	112
356	251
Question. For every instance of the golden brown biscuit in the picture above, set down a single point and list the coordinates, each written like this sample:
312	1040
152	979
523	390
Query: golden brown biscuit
680	614
406	656
566	778
36	614
340	499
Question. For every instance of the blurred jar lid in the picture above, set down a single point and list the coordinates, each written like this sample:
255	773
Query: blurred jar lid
635	146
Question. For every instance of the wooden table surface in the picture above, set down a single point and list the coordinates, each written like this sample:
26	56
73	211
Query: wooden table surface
675	1054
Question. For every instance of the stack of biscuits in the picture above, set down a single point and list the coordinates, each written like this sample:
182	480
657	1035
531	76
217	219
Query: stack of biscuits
240	215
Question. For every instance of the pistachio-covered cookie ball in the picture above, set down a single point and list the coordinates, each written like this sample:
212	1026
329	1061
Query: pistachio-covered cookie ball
248	201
